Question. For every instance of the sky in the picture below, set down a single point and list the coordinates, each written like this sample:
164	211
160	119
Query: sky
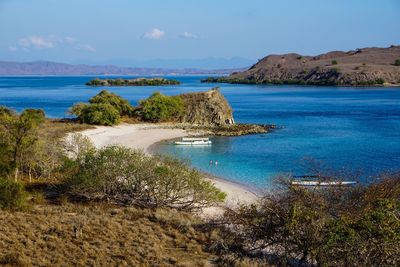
183	32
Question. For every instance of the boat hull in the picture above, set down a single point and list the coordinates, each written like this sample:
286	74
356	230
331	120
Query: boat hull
194	143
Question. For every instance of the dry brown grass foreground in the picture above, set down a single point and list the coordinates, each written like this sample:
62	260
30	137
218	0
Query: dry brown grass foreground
98	235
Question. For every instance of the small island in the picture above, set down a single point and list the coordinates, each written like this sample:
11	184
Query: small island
208	112
132	82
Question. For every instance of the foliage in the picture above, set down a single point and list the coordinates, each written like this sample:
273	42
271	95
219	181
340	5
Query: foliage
105	97
132	82
379	81
338	226
397	62
98	114
105	108
12	195
123	175
334	62
159	107
18	136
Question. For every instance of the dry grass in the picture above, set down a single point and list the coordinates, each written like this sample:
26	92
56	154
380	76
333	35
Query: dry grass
77	235
55	128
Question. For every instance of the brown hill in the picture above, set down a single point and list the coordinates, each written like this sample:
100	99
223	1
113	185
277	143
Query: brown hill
360	67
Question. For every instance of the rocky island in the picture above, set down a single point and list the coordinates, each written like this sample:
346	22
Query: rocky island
208	112
360	67
132	82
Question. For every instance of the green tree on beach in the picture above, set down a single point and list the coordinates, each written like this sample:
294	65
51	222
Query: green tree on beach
159	107
105	108
105	97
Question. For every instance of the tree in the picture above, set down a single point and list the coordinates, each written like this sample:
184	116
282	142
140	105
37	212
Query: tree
397	62
19	135
336	226
105	97
98	114
159	107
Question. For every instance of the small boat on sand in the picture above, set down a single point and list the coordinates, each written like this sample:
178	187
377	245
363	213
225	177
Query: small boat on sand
311	180
194	141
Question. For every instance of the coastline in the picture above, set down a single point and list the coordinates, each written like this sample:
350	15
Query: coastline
146	136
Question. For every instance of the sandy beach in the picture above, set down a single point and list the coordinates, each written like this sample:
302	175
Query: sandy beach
142	136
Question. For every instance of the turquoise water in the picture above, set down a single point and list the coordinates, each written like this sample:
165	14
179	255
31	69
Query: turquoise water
356	129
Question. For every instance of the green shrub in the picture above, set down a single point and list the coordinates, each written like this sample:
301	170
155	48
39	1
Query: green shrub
397	62
159	107
98	114
334	62
12	195
105	97
127	176
379	81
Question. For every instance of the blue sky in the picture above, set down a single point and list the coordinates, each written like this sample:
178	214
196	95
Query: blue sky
133	31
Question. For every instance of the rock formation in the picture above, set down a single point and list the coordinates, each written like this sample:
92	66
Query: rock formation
207	108
361	67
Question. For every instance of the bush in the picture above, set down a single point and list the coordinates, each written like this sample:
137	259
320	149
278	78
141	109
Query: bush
397	62
125	176
334	62
98	114
105	97
159	107
338	226
379	81
12	195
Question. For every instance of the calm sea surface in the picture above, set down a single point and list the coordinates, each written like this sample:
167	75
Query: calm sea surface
356	129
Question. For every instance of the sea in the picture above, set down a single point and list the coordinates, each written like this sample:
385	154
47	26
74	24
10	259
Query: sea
351	130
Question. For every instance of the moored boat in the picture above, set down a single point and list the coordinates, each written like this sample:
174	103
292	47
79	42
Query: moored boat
311	180
194	141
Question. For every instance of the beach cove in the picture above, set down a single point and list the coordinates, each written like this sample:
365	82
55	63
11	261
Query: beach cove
143	136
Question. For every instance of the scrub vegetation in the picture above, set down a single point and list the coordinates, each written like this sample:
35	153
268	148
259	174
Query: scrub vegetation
107	108
64	202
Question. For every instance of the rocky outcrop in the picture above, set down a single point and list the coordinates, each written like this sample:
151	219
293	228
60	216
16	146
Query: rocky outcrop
207	108
361	67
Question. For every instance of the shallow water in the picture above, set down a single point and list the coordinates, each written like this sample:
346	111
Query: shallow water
352	128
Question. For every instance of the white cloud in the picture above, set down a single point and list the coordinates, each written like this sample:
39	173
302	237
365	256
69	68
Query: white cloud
38	42
188	35
12	48
86	47
48	42
154	34
70	40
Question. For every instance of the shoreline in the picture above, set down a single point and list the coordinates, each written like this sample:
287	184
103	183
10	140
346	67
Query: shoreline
146	136
256	191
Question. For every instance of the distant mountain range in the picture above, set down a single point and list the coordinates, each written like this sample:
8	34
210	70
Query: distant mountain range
180	63
8	68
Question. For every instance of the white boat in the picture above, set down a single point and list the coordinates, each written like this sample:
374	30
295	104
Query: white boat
194	141
322	183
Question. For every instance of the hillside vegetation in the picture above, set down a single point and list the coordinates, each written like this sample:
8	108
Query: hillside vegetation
64	202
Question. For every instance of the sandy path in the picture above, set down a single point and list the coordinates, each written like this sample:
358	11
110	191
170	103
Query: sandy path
142	136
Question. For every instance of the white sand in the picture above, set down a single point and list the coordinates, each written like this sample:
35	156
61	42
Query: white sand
142	136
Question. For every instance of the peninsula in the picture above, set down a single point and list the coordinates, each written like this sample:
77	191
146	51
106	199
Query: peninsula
360	67
132	82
